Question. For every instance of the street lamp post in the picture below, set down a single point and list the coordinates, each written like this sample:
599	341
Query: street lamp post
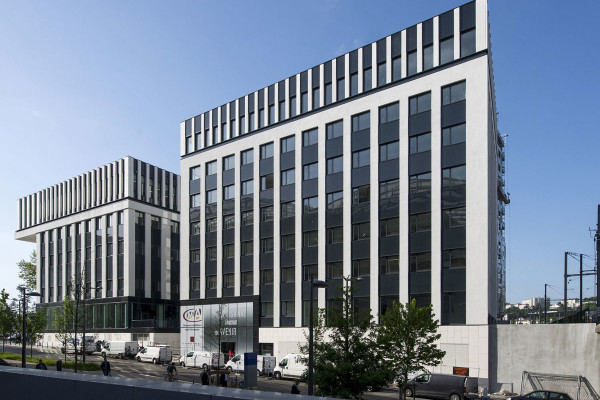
313	284
23	344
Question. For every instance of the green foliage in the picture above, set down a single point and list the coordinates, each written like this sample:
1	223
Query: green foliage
407	336
27	272
64	321
346	362
7	317
52	363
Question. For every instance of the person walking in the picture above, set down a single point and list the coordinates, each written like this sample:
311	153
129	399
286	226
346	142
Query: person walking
41	365
105	367
295	389
171	370
223	380
204	378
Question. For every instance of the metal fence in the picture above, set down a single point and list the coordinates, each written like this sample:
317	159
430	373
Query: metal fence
578	387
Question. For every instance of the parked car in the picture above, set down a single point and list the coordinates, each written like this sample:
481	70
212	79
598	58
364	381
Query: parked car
155	354
292	366
542	395
441	386
202	359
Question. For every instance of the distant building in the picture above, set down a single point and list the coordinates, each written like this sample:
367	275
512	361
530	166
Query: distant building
533	302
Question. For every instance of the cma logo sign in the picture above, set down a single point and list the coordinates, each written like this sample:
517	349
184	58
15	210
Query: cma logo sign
193	315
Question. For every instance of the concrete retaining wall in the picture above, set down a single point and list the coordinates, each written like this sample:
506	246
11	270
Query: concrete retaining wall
569	349
32	384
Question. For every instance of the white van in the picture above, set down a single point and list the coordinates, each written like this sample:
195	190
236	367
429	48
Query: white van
202	359
236	364
155	354
292	365
120	349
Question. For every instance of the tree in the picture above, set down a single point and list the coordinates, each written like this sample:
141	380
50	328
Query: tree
64	322
27	272
217	332
36	324
408	334
346	362
7	317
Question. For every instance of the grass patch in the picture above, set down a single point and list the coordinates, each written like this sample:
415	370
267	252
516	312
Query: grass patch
52	363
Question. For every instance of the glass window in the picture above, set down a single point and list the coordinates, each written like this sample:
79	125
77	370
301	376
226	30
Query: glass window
310	137
335	129
361	231
453	135
455	258
194	200
419	143
367	79
420	262
292	106
282	110
271	114
229	162
288	210
420	103
288	242
211	168
311	171
247	248
316	98
195	256
266	246
252	122
288	308
248	187
194	228
215	133
467	43
389	227
328	93
381	78
335	235
335	200
211	196
211	225
310	205
228	192
389	151
247	218
361	122
309	272
288	144
389	189
454	176
188	144
195	284
288	275
310	239
446	50
341	89
266	309
228	280
454	217
195	173
389	113
389	265
229	221
288	177
247	278
420	222
427	57
261	118
335	165
361	268
361	158
266	214
266	151
266	182
419	183
454	93
247	156
397	69
412	63
335	270
304	102
211	282
242	125
354	84
228	251
361	194
211	253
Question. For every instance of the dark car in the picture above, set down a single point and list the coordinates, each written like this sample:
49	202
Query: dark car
542	395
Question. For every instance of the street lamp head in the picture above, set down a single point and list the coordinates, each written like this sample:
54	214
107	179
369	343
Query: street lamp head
319	284
33	294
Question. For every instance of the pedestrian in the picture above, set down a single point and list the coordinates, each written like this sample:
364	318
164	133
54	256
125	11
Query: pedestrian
128	352
295	389
105	367
223	380
171	370
41	365
59	365
204	378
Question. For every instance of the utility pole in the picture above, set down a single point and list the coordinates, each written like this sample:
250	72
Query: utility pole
598	265
566	277
580	288
545	303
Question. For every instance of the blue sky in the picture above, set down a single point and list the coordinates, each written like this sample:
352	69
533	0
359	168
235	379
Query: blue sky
86	83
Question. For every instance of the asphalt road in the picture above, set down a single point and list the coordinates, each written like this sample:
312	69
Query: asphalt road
134	369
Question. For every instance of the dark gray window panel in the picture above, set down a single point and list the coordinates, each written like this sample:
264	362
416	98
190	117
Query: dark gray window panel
334	218
316	77
251	103
388	285
215	117
246	202
287	193
195	242
266	198
210	182
188	127
411	38
246	172
246	291
453	114
210	267
334	147
229	177
419	282
453	238
334	252
223	114
446	22
354	61
271	95
306	291
195	186
361	140
228	266
361	249
228	206
232	111
266	166
310	255
266	229
242	106
210	211
361	213
454	196
328	68
388	132
419	203
334	182
194	216
287	258
467	16
310	188
389	246
281	91
287	321
419	123
194	269
292	84
310	154
427	32
389	170
266	261
246	263
389	208
310	222
211	239
361	176
453	155
304	81
287	291
211	293
333	289
381	50
419	242
363	288
287	226
397	44
246	232
454	280
266	293
206	119
419	163
367	56
228	236
340	67
287	160
228	292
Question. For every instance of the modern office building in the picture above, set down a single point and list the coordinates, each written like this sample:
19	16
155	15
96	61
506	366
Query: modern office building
116	229
384	163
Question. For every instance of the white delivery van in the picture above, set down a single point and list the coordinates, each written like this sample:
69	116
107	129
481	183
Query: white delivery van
90	347
236	364
292	365
202	359
155	354
119	349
